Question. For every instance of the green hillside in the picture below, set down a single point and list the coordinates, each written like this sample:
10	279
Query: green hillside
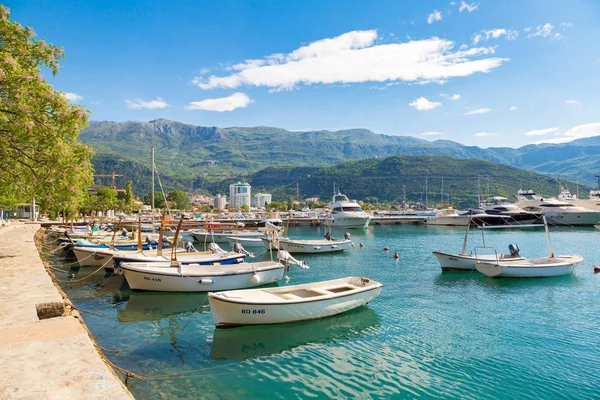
386	179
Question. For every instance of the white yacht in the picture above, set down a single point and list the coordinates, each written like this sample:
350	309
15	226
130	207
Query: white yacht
593	202
347	214
499	205
557	212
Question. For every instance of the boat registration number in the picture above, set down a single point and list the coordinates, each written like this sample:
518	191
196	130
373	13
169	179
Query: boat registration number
253	311
147	278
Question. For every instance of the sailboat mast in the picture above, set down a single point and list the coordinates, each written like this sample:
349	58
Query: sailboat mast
152	189
442	194
426	192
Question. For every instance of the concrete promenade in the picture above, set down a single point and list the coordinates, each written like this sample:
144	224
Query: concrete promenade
50	358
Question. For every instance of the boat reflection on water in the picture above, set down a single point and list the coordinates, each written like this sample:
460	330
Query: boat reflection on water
255	341
151	306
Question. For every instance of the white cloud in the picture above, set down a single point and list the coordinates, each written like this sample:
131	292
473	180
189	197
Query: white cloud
478	111
542	31
512	108
495	34
434	16
577	132
526	29
356	57
138	104
484	134
74	97
422	104
230	103
469	7
432	133
572	102
540	132
451	97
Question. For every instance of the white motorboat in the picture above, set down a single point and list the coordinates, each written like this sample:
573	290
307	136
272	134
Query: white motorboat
557	212
499	205
467	262
448	217
103	257
169	277
247	242
311	246
198	257
347	214
530	268
291	303
222	235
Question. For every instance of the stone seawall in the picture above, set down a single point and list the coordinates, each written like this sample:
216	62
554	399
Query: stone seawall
43	353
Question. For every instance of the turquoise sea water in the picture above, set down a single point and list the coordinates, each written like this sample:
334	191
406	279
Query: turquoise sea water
428	335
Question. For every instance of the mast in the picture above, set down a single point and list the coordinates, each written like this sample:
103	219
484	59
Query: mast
442	194
426	192
152	189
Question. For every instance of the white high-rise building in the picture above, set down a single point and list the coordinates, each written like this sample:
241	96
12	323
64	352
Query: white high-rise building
261	199
239	194
220	202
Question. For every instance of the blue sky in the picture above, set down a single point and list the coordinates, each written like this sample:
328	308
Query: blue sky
485	73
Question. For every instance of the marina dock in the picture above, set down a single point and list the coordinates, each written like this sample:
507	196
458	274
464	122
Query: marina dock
43	354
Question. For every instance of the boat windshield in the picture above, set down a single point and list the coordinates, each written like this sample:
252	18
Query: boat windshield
339	198
346	209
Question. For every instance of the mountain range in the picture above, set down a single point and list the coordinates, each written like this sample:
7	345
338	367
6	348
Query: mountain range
190	157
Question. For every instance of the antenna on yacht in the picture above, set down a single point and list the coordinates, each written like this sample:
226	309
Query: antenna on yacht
598	176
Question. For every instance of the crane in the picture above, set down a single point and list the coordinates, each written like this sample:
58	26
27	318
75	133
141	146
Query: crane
113	176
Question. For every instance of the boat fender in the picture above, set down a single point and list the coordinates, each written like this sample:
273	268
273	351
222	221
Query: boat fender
255	279
396	255
317	247
334	246
206	281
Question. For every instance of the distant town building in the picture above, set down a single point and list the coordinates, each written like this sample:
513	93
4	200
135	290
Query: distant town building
262	199
311	199
239	194
219	202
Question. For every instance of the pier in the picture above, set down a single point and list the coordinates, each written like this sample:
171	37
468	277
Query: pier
44	354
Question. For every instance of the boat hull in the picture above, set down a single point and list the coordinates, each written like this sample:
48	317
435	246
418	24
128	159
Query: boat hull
230	315
349	222
541	268
467	262
192	278
186	258
310	247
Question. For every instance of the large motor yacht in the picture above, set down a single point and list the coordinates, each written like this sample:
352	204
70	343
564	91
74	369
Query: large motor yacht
347	214
499	205
593	202
556	211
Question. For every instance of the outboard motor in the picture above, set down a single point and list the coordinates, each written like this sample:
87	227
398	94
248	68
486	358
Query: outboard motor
347	235
238	248
286	259
189	247
124	232
514	250
215	248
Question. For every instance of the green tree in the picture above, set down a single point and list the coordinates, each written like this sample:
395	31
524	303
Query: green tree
128	199
107	199
245	208
39	153
159	200
180	199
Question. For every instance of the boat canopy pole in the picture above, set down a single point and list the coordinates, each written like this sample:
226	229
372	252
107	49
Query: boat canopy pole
464	249
139	235
548	237
174	262
112	241
160	236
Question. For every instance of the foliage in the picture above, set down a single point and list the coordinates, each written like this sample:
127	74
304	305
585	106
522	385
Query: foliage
39	153
180	200
245	208
128	199
159	200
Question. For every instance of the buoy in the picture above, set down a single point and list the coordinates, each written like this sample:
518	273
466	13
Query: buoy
396	255
206	281
255	279
361	245
386	248
596	269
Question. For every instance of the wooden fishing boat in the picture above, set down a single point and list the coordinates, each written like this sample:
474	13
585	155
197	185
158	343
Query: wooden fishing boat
291	303
169	277
247	242
467	261
530	268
